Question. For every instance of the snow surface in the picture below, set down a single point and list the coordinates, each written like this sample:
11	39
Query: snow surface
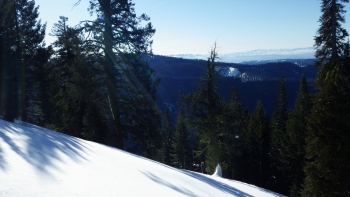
228	71
218	171
39	162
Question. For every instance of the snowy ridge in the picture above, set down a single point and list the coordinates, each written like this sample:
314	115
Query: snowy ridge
234	72
256	55
39	162
228	71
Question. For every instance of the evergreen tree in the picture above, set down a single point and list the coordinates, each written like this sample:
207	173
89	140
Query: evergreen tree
279	141
256	145
11	61
68	48
296	133
140	117
41	111
167	138
87	97
79	96
205	107
231	137
121	33
327	144
31	36
5	16
182	151
22	36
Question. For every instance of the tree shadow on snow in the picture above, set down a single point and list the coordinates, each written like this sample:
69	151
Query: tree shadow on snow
205	179
216	184
163	182
40	147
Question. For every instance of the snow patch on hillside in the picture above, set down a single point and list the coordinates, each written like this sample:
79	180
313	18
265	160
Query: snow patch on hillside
228	71
245	77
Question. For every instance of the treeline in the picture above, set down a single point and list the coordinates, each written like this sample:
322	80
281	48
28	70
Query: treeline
304	151
92	83
249	146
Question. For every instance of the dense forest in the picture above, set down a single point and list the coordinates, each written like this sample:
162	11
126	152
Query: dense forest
94	82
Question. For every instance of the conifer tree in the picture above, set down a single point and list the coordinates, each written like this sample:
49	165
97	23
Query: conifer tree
31	38
68	48
11	61
278	141
256	145
205	107
118	32
41	111
294	153
22	37
231	137
168	132
327	144
140	117
5	17
182	151
79	98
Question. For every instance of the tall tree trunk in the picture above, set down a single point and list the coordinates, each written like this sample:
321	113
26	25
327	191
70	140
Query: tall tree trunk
110	61
20	70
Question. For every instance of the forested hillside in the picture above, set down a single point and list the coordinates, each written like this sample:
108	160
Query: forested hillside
254	81
279	125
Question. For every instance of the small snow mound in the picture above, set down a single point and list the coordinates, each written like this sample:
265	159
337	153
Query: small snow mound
218	171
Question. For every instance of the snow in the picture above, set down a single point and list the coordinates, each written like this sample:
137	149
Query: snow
228	71
256	55
39	162
218	171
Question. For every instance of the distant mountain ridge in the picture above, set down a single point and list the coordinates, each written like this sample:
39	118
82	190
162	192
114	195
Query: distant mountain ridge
256	55
255	80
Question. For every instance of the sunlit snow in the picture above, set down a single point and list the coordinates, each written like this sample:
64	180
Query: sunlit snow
228	71
38	162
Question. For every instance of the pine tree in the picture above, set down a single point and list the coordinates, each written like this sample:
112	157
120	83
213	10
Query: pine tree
22	37
278	141
182	151
79	98
204	108
5	11
140	117
41	111
11	61
231	137
168	132
68	56
327	144
256	145
31	37
121	33
296	133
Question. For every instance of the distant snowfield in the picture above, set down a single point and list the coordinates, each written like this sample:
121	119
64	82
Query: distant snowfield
256	55
228	71
38	162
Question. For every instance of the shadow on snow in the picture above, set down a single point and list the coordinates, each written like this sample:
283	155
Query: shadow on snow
38	146
203	178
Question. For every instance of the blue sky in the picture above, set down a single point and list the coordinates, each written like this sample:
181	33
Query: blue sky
192	26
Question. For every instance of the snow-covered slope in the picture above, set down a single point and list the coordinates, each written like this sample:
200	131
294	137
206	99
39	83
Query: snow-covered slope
40	162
